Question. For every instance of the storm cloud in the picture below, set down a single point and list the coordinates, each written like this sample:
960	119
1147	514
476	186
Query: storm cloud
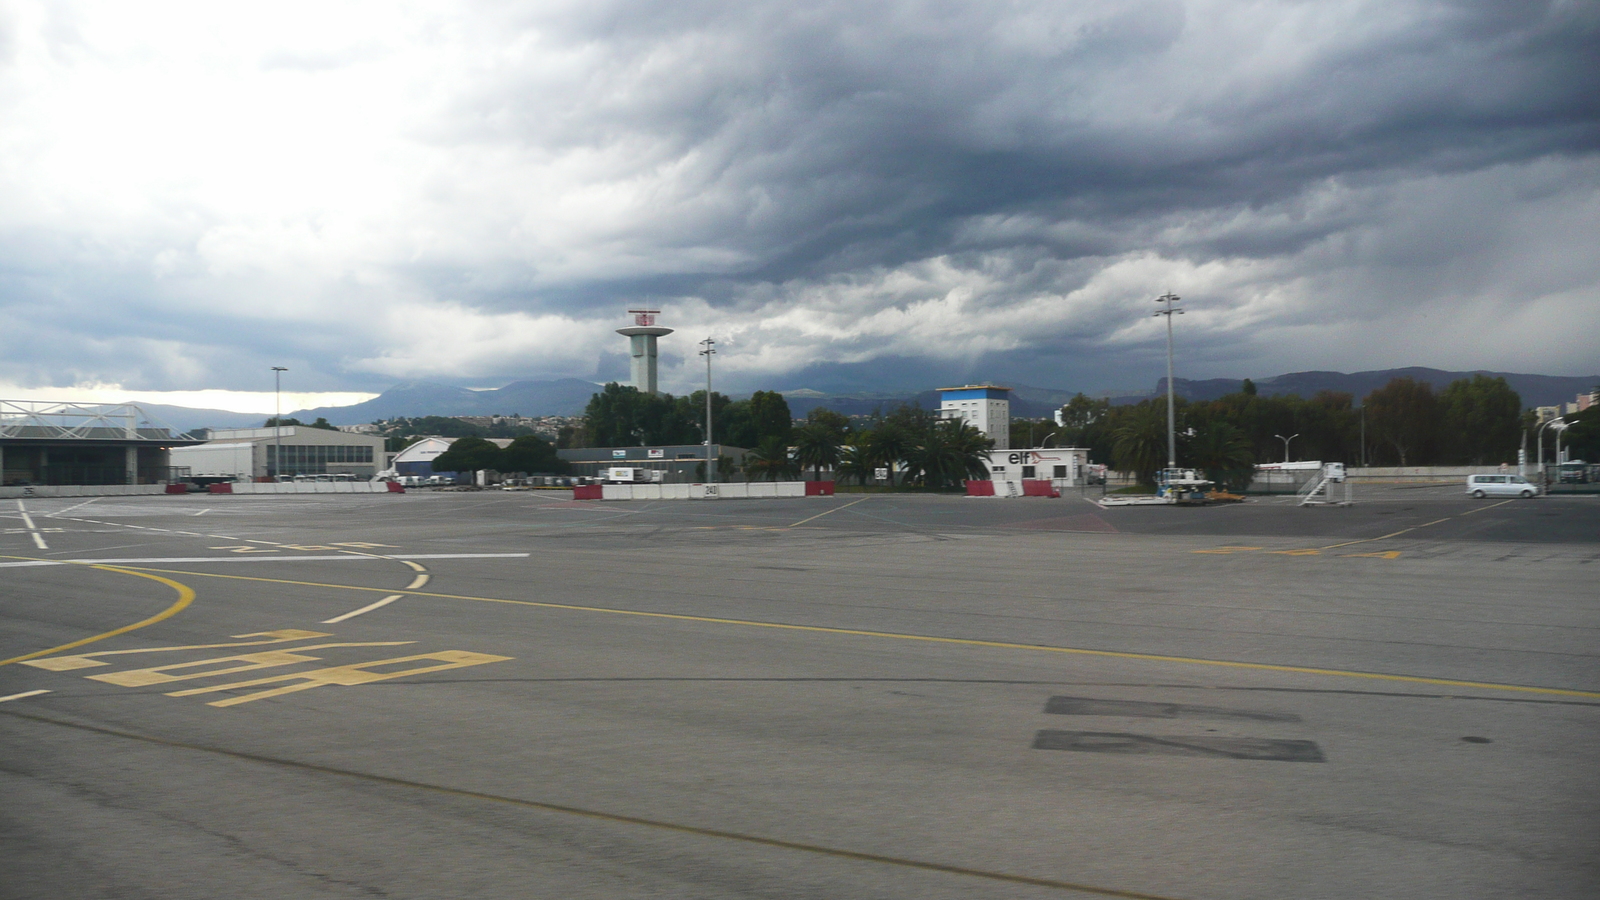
872	194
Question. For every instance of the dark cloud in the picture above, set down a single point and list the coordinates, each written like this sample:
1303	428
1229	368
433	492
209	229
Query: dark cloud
884	192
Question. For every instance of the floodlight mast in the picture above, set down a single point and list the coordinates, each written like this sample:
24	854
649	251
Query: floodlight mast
711	461
1170	298
277	421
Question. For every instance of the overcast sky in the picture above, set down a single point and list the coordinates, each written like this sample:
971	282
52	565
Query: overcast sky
845	195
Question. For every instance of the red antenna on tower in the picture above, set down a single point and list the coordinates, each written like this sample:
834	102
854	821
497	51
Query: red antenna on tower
644	316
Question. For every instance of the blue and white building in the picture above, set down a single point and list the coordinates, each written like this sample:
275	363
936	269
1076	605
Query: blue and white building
985	407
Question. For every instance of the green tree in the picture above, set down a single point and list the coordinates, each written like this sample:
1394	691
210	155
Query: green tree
1403	417
323	424
468	454
817	445
770	461
1480	420
946	454
835	422
1221	451
623	416
855	461
887	445
1139	441
1582	439
531	454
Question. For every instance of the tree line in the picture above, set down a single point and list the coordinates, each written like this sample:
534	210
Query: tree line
910	445
528	454
1473	421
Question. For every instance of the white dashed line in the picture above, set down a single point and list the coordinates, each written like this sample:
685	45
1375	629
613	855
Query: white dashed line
365	609
10	697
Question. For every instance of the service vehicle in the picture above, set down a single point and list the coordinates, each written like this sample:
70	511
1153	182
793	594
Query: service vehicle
1481	486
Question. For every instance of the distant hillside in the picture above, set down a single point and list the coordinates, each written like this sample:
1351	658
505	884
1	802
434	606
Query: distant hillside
184	418
1535	390
564	397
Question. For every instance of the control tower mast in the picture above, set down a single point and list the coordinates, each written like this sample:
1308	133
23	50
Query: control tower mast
643	333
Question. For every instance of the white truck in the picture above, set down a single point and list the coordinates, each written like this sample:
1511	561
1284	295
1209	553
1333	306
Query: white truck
632	475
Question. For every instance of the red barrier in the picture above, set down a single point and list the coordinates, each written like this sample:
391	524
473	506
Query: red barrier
177	489
980	489
224	488
395	487
1038	488
587	492
819	489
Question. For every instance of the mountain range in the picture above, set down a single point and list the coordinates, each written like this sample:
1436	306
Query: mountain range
569	396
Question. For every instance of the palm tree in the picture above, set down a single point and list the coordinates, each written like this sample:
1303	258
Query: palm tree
887	445
1223	452
1139	443
948	453
770	460
855	462
817	446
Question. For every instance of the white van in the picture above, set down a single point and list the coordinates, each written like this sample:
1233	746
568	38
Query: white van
1482	486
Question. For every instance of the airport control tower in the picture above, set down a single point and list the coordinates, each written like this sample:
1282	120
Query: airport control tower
643	333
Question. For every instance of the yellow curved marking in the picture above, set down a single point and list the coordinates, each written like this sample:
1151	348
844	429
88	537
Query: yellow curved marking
185	597
934	639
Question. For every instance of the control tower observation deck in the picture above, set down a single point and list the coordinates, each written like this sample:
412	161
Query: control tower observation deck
643	333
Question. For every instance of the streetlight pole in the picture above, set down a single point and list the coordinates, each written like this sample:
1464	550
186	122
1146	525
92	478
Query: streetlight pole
1539	442
277	421
1172	428
1286	441
1170	298
711	462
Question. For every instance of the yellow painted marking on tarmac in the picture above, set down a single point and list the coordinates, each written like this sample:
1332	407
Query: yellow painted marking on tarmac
185	597
345	675
248	662
830	511
254	541
89	660
415	566
361	545
1226	550
305	547
933	639
618	818
245	548
1381	554
419	581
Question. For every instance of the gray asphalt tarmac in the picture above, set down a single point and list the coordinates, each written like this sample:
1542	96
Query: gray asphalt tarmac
506	694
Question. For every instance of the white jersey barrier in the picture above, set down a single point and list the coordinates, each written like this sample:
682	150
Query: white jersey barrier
310	487
735	490
22	492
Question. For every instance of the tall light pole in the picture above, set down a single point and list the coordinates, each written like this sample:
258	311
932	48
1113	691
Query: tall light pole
1538	439
711	461
1286	441
1560	429
1170	298
277	422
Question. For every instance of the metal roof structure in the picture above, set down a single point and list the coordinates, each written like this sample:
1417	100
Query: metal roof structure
120	423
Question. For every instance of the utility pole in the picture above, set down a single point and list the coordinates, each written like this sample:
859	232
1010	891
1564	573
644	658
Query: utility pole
711	461
277	421
1170	298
